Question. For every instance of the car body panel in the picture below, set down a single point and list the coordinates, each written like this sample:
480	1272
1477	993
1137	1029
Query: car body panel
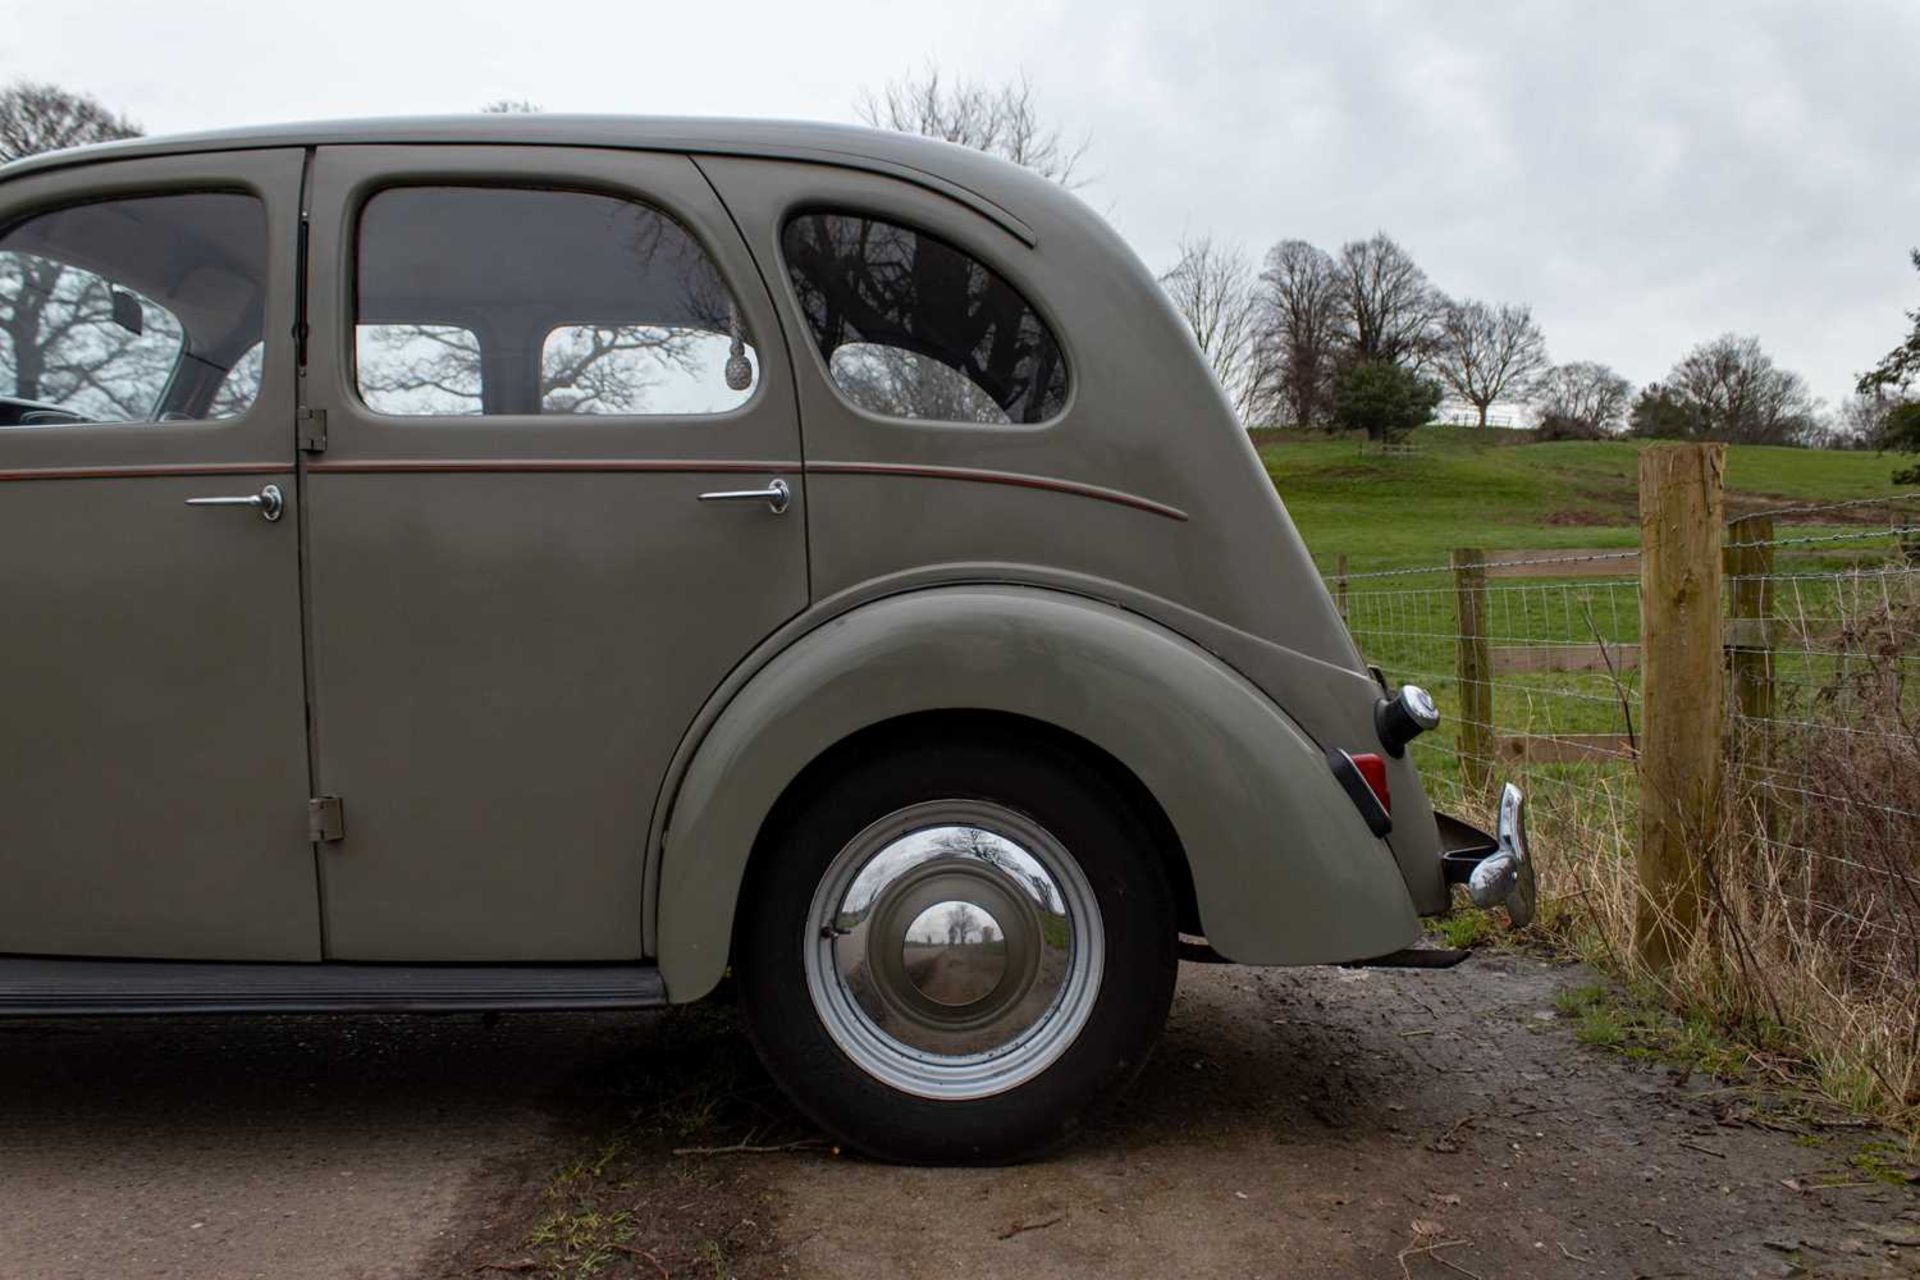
153	766
1284	868
515	618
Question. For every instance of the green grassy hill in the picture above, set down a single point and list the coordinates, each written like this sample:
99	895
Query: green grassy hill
1491	489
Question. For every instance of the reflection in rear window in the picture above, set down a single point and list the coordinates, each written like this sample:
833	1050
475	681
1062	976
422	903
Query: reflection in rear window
914	328
509	300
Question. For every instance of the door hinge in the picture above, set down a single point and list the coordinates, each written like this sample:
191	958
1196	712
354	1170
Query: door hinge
312	430
326	820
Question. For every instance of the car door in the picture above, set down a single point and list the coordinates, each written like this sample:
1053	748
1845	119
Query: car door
153	765
533	364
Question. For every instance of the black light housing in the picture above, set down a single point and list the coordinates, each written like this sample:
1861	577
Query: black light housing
1403	717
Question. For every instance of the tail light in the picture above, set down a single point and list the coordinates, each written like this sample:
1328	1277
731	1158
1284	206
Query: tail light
1364	779
1374	769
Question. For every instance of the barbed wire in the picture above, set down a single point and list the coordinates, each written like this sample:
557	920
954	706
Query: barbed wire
1865	535
1485	564
1815	509
1593	557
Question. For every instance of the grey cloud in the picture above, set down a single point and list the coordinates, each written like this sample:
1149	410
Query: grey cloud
1646	175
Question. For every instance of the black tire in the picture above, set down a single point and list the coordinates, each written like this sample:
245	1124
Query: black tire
1084	812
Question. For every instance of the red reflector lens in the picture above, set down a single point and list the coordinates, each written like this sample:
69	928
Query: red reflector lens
1374	769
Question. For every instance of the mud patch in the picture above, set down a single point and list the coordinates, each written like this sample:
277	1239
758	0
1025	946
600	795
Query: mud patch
660	1171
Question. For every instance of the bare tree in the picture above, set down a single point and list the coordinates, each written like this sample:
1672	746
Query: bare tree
1729	389
1390	309
60	339
1485	353
1300	318
41	117
1588	397
512	107
437	369
1001	120
1213	289
1864	418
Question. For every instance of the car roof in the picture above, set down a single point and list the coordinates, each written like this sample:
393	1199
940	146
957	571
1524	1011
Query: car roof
992	186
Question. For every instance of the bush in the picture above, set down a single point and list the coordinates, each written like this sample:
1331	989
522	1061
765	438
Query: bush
1383	399
1564	426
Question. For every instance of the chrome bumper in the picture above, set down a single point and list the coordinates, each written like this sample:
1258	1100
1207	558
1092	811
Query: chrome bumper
1497	869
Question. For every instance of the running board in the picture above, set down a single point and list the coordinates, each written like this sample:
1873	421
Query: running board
34	987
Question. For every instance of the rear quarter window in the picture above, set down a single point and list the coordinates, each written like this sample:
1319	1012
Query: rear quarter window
912	327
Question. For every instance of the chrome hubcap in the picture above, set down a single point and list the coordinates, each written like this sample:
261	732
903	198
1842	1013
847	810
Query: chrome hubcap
955	953
954	949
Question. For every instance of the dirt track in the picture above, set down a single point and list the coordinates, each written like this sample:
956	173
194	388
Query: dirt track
1312	1123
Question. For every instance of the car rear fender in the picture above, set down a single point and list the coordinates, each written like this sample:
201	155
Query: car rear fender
1283	866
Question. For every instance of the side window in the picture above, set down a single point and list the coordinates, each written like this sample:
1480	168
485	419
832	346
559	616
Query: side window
509	300
136	310
912	327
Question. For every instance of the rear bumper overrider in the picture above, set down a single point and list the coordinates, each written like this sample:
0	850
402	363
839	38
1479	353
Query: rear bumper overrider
1497	869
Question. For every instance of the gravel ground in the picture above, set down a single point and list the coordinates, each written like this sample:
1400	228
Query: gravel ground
1294	1123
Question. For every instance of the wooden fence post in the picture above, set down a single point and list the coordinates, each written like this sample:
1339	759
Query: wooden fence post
1474	743
1750	656
1683	692
1340	584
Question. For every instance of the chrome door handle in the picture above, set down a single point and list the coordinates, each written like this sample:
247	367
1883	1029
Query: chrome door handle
776	495
270	502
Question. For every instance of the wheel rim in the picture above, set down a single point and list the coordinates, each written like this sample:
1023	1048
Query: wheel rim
954	949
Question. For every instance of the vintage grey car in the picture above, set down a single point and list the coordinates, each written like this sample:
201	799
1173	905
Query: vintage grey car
548	563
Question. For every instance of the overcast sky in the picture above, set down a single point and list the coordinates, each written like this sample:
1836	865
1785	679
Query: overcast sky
1645	175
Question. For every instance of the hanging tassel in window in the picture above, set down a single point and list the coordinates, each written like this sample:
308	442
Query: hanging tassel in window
739	370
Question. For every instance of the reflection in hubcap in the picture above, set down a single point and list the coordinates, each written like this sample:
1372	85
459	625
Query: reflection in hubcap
955	949
955	953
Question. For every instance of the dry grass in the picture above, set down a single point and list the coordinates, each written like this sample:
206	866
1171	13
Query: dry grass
1809	950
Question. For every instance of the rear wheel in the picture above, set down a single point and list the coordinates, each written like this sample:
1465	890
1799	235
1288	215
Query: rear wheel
957	950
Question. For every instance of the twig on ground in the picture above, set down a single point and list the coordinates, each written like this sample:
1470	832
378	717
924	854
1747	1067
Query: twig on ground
1568	1253
637	1252
1694	1146
1433	1251
1446	1143
747	1148
1036	1224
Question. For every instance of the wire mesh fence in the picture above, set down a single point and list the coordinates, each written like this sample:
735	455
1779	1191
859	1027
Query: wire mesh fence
1541	682
1814	874
1824	747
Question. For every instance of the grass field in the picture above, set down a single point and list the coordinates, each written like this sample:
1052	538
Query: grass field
1487	489
1492	490
1820	860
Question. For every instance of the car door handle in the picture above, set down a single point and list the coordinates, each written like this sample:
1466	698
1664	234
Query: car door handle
270	502
776	495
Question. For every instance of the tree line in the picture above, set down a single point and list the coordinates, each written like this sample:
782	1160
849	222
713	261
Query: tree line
1356	339
1361	339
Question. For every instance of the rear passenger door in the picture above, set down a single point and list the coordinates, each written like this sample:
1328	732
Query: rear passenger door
532	364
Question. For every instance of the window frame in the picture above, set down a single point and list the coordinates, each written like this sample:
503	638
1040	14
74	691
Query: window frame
1034	299
262	436
263	202
349	269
